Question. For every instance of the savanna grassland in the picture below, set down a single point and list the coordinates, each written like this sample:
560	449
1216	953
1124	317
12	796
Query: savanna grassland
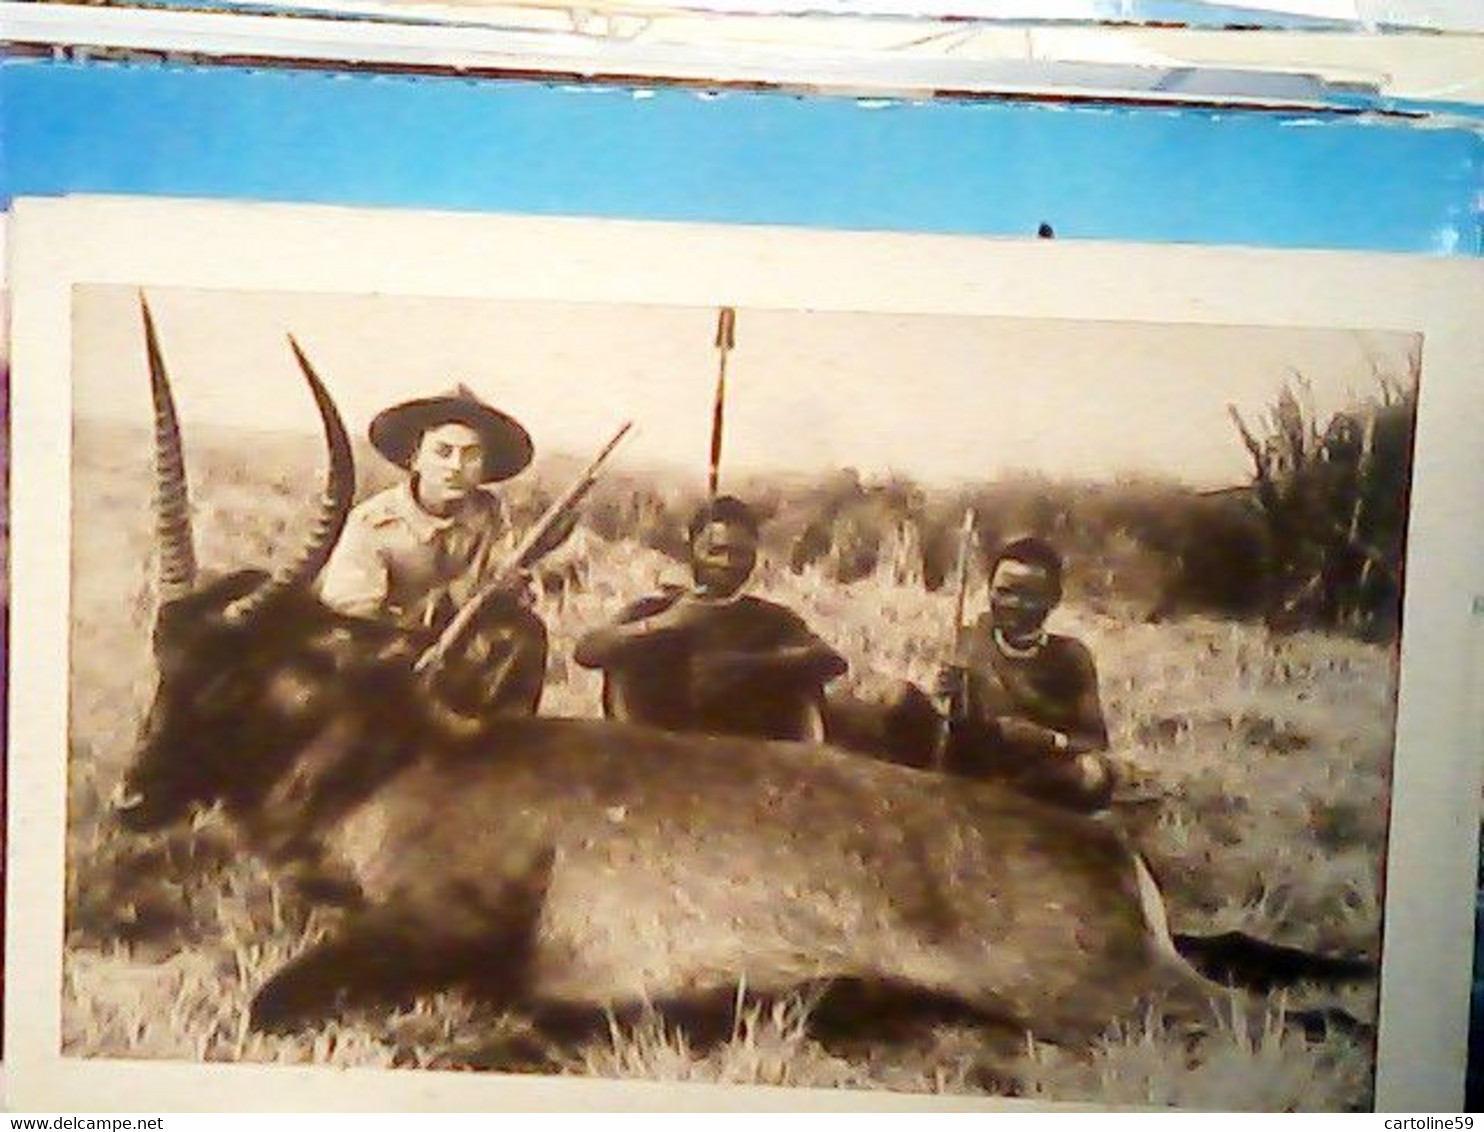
1257	765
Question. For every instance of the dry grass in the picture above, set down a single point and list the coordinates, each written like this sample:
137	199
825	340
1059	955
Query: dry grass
1265	761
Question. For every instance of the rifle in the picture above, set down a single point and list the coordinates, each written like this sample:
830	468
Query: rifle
961	582
531	550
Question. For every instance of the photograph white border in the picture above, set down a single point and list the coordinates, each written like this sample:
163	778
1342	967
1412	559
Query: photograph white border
57	244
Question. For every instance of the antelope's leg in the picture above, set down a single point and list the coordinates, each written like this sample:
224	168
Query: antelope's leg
472	932
372	957
383	958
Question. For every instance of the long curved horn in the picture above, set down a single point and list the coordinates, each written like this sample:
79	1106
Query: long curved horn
334	509
177	556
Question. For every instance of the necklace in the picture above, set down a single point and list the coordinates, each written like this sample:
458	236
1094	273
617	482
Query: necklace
1021	651
716	602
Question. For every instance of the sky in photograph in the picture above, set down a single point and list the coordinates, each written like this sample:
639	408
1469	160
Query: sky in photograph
944	399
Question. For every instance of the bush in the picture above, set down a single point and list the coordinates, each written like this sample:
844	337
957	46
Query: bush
1333	501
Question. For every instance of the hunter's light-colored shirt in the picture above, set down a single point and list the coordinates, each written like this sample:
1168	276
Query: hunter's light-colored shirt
395	560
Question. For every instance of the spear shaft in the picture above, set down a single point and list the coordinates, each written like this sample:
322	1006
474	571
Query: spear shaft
726	338
961	593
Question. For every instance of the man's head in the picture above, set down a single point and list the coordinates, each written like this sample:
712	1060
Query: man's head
447	464
723	546
1025	581
451	443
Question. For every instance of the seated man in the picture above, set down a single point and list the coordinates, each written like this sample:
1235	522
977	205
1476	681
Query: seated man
417	552
712	658
1025	706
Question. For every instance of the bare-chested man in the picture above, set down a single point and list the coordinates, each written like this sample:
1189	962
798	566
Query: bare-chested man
1026	708
711	657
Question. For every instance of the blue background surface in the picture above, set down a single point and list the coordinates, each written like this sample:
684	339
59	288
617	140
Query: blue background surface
1273	179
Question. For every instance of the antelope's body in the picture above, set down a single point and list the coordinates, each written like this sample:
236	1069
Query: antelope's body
613	865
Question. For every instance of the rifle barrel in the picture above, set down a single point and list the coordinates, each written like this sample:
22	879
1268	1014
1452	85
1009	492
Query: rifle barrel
566	501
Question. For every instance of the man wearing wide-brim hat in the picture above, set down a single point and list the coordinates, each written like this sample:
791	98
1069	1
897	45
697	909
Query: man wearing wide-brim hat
417	552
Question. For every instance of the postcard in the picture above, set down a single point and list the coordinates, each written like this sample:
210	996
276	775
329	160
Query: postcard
480	661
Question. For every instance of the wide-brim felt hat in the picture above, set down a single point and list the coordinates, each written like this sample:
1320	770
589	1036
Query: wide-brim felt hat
396	432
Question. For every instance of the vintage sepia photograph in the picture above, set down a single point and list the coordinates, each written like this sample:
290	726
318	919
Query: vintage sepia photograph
929	703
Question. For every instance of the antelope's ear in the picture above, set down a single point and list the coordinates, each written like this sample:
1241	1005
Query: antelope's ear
186	618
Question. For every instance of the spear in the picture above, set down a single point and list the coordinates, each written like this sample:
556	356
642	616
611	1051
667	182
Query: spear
961	592
726	338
